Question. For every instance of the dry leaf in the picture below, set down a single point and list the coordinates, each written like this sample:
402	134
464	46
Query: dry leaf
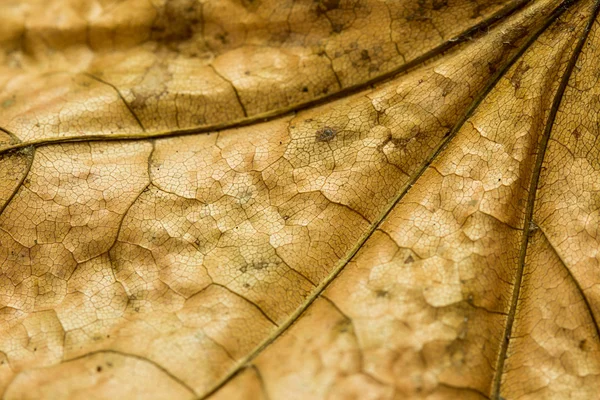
330	199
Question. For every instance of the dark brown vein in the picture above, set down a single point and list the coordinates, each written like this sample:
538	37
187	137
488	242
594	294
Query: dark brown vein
125	102
588	306
11	135
29	152
233	87
406	188
252	303
469	34
261	382
129	207
495	392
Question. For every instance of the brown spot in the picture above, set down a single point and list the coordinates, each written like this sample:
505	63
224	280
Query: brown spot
327	134
260	265
327	5
409	260
8	102
517	76
344	326
176	21
439	4
222	38
533	226
382	293
251	5
139	99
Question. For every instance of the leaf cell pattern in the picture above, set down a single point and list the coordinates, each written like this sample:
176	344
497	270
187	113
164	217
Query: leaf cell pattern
326	199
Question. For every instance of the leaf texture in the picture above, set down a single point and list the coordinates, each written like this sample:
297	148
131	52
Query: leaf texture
299	200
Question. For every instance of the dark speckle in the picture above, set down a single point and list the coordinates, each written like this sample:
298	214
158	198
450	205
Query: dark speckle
328	5
305	89
337	28
364	55
326	134
251	5
382	293
260	265
439	4
409	260
222	38
517	76
99	368
344	326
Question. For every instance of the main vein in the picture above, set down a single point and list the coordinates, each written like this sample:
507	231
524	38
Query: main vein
495	393
405	189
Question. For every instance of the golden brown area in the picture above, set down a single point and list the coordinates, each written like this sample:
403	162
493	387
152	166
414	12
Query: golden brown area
423	225
74	68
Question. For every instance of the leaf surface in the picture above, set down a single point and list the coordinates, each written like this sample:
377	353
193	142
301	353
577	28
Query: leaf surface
299	200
